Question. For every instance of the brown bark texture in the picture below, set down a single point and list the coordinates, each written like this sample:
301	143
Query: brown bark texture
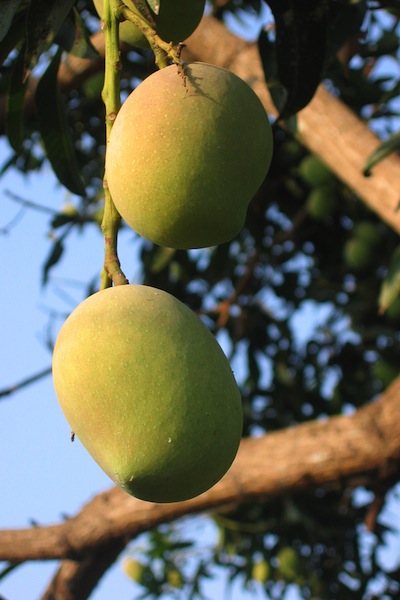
362	448
327	127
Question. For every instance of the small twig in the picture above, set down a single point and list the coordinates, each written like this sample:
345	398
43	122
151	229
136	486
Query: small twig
30	203
25	382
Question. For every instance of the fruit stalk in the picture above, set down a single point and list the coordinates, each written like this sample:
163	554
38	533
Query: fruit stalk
162	50
111	273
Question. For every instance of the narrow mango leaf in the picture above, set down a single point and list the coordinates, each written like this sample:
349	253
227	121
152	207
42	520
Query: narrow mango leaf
53	258
15	104
390	289
53	127
45	20
387	147
14	36
301	42
9	8
74	38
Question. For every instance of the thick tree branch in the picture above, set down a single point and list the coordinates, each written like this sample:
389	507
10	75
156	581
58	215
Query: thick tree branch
361	448
326	126
75	580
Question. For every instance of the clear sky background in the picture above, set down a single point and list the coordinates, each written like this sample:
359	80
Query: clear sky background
42	475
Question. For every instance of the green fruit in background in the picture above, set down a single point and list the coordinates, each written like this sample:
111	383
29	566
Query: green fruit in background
368	232
385	372
261	571
175	579
289	563
187	152
134	569
314	172
358	255
175	20
321	202
147	389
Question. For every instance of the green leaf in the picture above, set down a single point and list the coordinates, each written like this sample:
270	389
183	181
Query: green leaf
9	8
73	37
14	36
15	104
390	289
301	42
53	127
45	20
385	149
53	258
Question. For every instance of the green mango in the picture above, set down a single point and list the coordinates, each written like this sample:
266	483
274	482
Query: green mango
147	389
174	20
187	152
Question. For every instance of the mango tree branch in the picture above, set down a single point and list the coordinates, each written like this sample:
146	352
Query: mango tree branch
327	127
111	273
361	449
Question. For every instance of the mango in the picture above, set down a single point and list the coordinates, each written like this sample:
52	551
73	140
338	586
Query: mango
188	150
148	391
174	20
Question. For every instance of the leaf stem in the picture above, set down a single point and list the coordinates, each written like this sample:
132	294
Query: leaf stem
111	273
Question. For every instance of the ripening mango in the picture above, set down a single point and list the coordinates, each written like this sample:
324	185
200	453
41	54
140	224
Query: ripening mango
147	389
187	152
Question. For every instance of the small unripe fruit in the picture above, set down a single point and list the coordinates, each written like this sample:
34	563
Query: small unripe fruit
134	569
368	232
314	172
261	571
147	389
174	20
187	152
321	202
357	254
385	372
289	563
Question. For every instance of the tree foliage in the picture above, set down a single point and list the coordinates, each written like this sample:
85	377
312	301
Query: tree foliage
311	252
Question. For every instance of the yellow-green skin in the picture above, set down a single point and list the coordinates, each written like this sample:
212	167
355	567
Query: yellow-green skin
149	392
175	20
187	152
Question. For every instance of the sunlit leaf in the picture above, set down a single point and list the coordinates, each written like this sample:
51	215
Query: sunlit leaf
53	127
385	149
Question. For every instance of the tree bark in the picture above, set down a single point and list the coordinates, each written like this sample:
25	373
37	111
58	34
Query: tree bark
327	127
363	448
